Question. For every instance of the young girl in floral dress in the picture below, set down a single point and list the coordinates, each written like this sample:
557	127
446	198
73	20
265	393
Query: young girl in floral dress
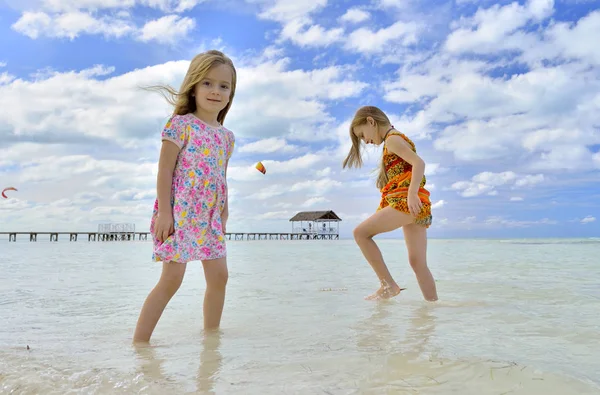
191	209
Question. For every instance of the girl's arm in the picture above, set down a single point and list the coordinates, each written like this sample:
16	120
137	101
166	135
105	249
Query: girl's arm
225	212
400	147
164	179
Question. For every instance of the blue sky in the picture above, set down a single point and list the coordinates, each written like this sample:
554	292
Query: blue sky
502	100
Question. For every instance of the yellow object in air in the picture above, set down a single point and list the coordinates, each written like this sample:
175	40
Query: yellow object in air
260	167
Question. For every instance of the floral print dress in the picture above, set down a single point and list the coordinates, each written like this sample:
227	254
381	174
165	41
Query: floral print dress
198	193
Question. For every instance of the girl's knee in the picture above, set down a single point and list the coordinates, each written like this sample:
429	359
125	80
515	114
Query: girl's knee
217	277
172	276
361	233
171	282
417	262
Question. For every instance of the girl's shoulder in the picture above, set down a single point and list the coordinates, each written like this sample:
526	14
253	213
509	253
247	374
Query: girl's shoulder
178	121
190	118
400	134
228	132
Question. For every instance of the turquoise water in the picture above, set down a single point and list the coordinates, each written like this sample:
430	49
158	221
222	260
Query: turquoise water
515	316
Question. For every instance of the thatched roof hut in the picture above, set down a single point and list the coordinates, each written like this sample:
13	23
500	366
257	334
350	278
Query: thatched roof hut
316	225
316	216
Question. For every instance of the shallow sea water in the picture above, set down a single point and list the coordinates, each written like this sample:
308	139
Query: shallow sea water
514	317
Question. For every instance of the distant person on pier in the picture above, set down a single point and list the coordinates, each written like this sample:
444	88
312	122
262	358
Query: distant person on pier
404	200
191	209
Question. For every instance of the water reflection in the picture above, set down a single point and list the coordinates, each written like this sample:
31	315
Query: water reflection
149	366
381	331
397	360
211	362
421	329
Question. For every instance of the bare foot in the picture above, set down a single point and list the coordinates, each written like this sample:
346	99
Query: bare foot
385	292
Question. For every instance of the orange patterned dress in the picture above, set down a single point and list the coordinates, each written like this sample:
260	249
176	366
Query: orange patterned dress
395	192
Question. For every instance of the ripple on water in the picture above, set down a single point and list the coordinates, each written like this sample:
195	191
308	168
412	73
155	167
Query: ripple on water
512	317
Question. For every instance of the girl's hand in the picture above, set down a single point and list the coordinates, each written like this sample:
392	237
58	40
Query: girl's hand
164	226
224	217
414	204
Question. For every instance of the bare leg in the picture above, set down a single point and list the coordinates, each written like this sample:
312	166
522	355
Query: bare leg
382	221
157	300
415	237
216	274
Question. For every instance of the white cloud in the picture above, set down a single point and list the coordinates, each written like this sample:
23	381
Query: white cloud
135	194
596	159
167	29
393	3
297	22
316	187
510	88
529	180
279	215
565	157
76	5
567	40
112	19
492	118
267	192
470	189
304	34
544	115
587	220
99	5
488	27
269	145
326	172
85	107
355	15
315	201
6	78
496	222
70	25
109	139
290	101
285	10
172	5
487	182
438	204
295	165
365	40
494	179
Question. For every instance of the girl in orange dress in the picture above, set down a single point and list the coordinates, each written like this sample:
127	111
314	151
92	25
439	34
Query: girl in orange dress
404	200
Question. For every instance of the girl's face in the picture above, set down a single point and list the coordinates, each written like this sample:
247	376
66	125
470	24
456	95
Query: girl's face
212	93
368	132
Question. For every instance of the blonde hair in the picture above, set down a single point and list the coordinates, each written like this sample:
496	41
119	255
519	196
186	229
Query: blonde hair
354	158
183	100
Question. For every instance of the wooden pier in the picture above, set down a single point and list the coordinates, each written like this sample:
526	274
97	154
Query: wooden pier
74	236
144	236
306	225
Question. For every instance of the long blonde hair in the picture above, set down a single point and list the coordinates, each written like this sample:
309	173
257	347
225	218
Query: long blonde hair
354	158
183	100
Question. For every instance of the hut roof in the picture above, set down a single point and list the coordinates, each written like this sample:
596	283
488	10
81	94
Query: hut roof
316	216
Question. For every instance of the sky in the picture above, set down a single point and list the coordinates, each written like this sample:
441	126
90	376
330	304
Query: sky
502	100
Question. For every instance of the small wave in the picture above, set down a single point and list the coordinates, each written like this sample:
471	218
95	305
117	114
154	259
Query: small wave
553	242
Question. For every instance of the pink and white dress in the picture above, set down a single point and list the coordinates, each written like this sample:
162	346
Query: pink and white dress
199	191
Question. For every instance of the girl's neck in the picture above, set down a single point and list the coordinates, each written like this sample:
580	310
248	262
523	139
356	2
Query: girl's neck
383	132
207	117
